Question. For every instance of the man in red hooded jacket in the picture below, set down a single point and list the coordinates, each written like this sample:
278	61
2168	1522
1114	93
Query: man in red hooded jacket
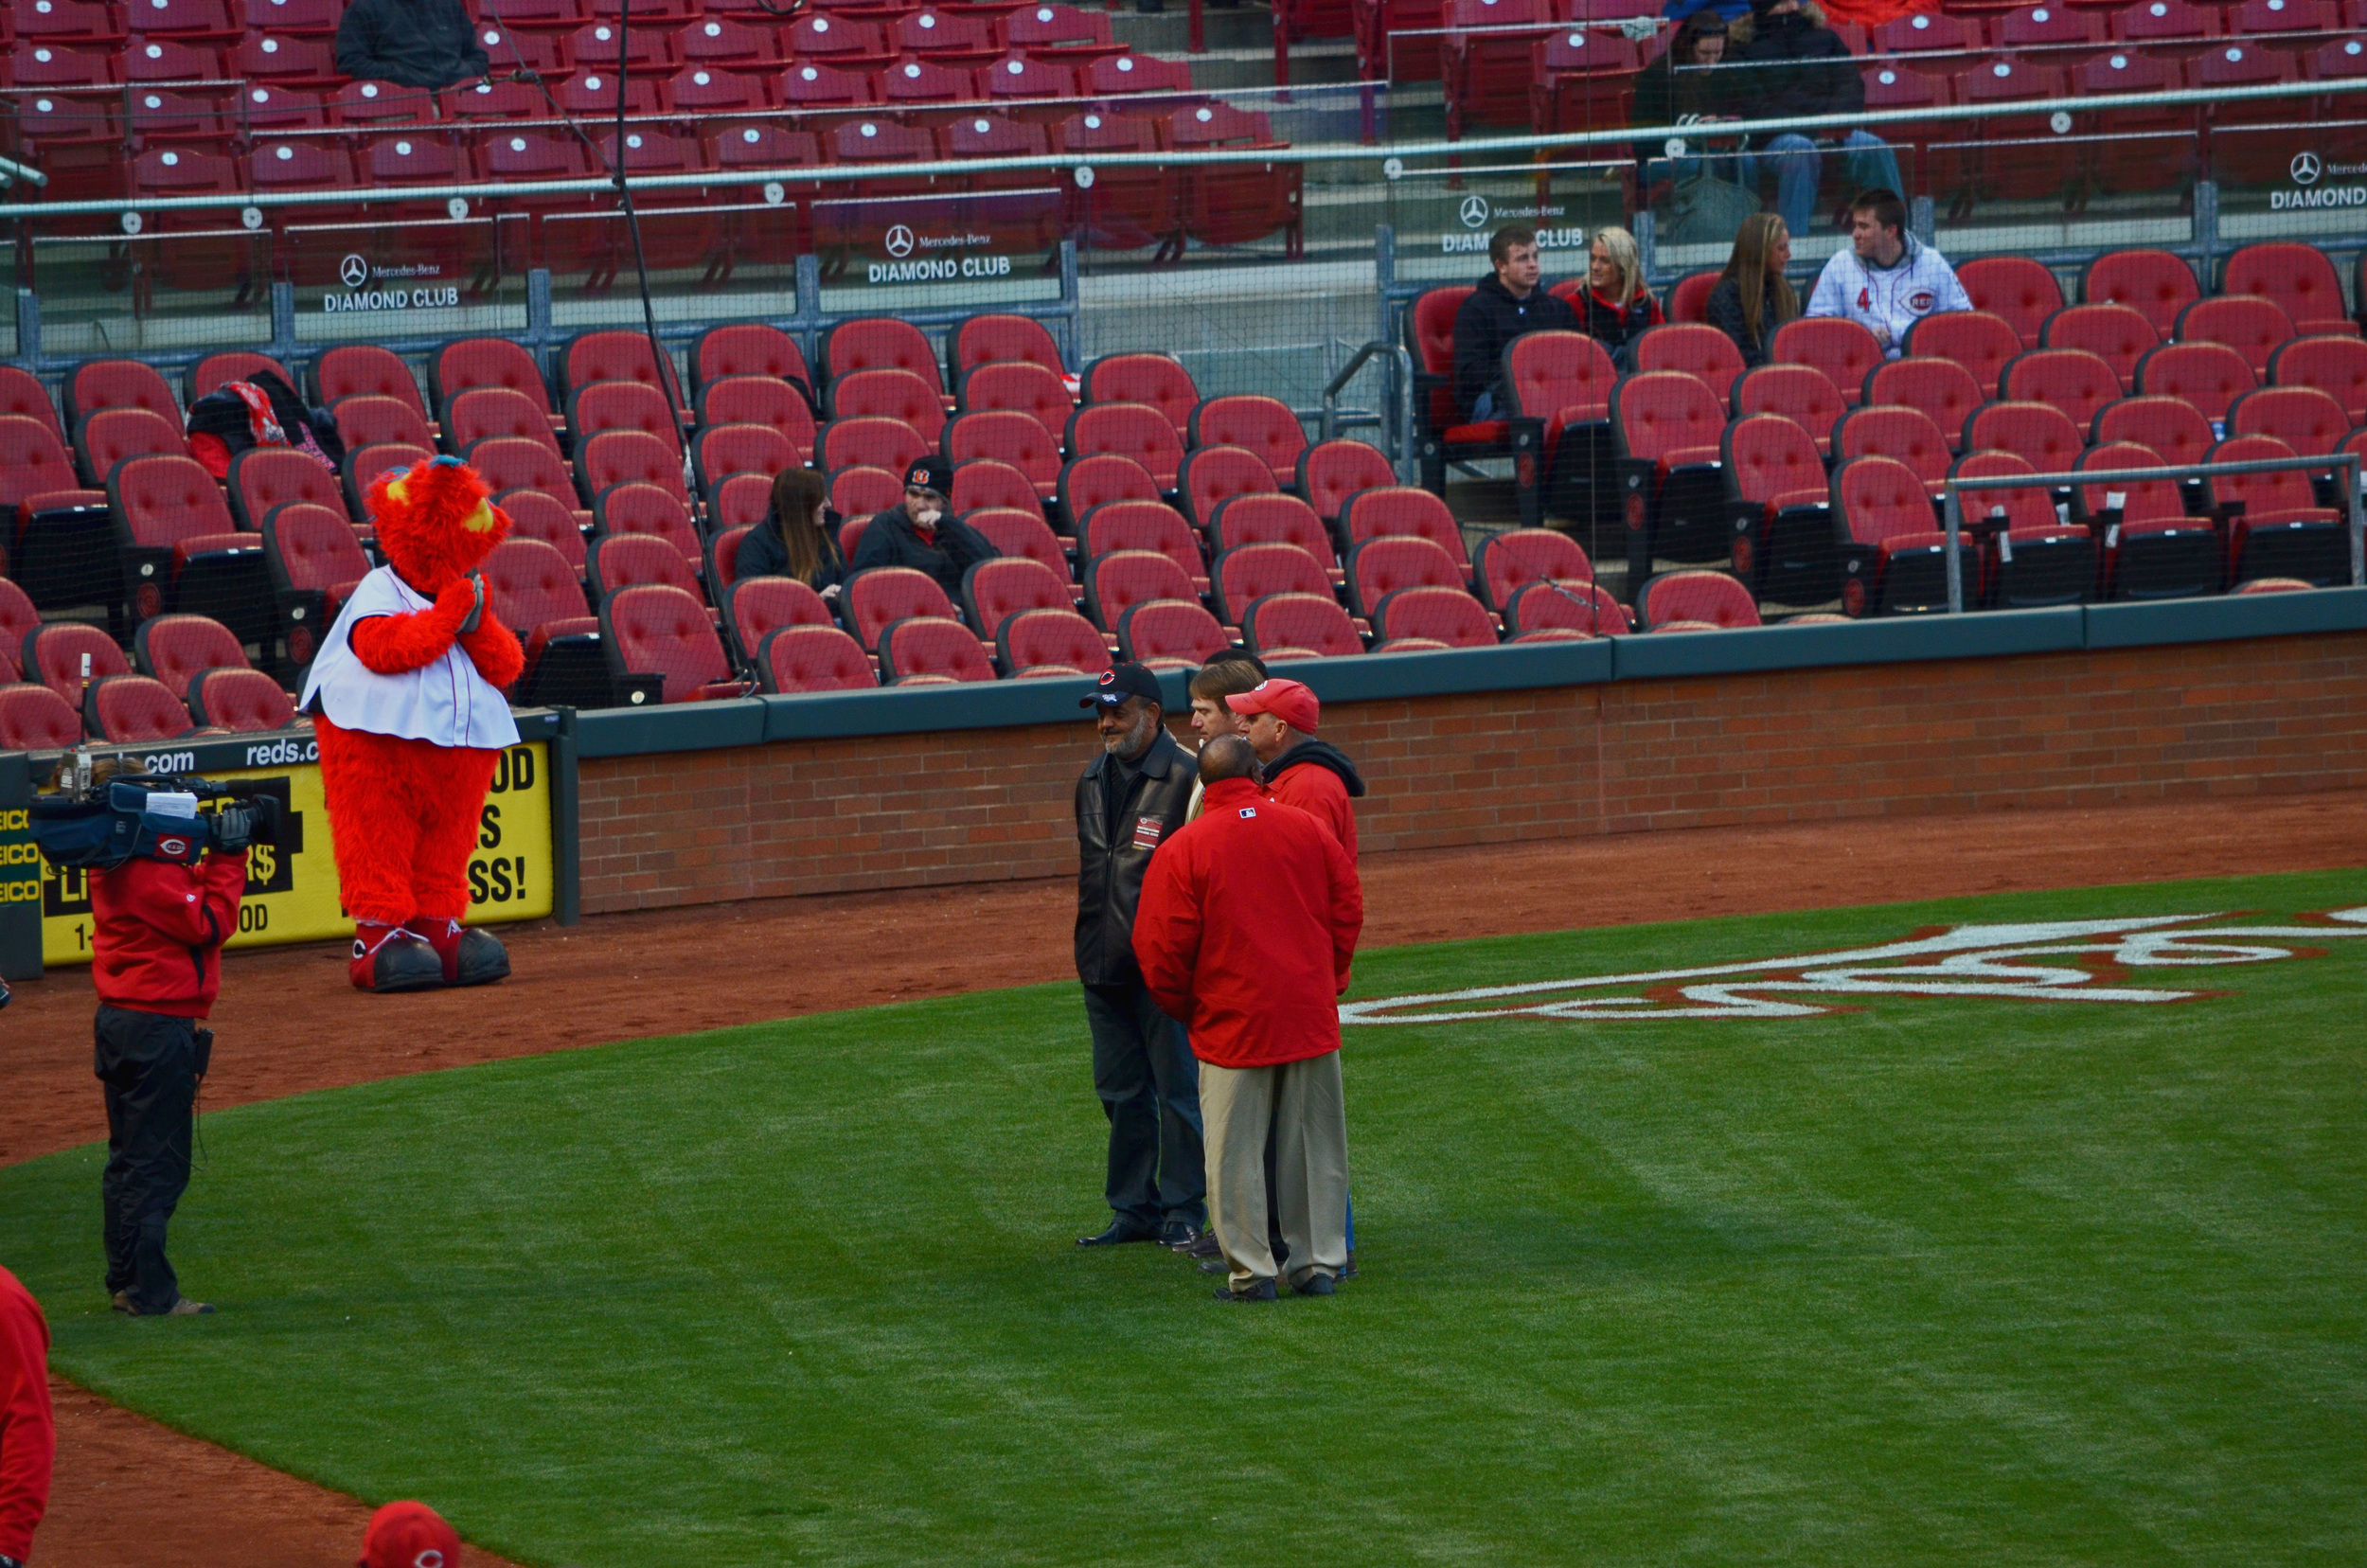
1246	928
29	1436
159	927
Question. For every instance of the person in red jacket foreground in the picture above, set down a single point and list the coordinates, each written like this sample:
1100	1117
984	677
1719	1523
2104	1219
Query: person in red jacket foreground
28	1437
1245	931
1314	776
409	1534
159	927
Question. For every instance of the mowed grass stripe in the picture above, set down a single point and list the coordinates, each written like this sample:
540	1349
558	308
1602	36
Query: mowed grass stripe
1930	1281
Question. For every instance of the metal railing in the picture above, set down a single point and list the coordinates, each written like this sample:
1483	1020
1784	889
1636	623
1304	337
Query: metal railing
2345	464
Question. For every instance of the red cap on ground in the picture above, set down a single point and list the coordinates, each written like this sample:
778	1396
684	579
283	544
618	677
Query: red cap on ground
1286	700
409	1534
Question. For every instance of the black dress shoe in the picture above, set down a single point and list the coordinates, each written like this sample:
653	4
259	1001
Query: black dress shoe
1262	1291
1314	1284
1119	1233
1178	1235
1206	1245
1216	1266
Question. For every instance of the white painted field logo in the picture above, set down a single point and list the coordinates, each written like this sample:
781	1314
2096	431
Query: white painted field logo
2040	961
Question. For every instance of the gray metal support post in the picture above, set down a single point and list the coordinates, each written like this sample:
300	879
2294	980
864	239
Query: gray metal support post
809	323
1923	220
1394	433
1955	507
283	334
1647	240
538	308
28	327
2207	230
2354	479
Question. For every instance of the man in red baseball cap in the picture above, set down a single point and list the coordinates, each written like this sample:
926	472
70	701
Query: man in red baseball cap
409	1534
1314	776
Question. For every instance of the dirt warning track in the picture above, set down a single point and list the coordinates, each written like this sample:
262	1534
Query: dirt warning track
288	1023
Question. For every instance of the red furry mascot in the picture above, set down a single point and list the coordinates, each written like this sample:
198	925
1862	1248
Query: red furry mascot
406	696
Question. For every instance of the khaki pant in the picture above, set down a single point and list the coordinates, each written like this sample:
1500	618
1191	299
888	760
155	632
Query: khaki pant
1301	1101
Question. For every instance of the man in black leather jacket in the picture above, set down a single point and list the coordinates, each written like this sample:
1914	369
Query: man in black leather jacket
413	42
1134	795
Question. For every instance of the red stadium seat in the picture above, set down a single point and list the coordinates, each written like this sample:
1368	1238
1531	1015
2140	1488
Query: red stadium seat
1583	79
1020	386
741	501
1171	635
536	594
850	45
2155	550
1585	608
1212	475
1009	437
1060	32
1560	383
620	561
2117	334
722	450
1708	599
654	629
1237	204
859	492
747	348
815	658
637	508
947	36
110	436
1423	619
2252	324
593	358
645	50
1702	351
758	607
2038	432
1690	300
1330	472
1980	342
23	395
179	549
1840	348
116	384
2211	376
1378	567
314	563
1404	511
2015	289
2304	418
1143	526
1298	625
1118	580
33	718
1247	573
1017	532
1090	481
722	555
1274	519
2073	379
708	88
1260	424
882	594
518	462
993	591
496	412
17	617
990	483
618	456
2032	559
216	371
1800	393
1051	642
173	648
1129	430
880	343
1511	561
264	478
2154	283
1941	389
534	514
368	420
1000	339
2298	278
133	708
1152	379
760	400
62	654
896	395
1015	79
1783	525
2334	365
244	701
474	363
2283	532
2174	428
930	651
1667	425
1893	557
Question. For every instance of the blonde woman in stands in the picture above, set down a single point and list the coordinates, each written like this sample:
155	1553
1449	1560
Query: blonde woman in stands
1616	308
1754	297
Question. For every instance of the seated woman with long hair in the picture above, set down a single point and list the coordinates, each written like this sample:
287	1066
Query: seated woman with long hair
1754	297
794	539
1615	308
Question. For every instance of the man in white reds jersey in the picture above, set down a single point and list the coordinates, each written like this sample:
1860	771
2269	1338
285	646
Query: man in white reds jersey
1887	280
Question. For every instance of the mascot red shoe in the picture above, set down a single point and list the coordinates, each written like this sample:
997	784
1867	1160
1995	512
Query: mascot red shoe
406	698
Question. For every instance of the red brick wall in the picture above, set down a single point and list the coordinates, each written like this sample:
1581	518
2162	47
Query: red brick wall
2267	716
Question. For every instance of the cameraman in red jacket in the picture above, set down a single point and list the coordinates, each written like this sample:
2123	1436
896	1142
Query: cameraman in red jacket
1246	927
158	926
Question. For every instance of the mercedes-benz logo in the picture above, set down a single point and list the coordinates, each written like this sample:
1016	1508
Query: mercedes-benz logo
899	240
355	271
2306	169
1476	211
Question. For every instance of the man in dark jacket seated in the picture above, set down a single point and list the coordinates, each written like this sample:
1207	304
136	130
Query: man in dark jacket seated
1506	304
923	533
1801	67
413	42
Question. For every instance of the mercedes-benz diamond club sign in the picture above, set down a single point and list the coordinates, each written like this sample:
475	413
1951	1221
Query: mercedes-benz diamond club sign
899	242
2316	184
1475	212
2307	169
371	287
355	271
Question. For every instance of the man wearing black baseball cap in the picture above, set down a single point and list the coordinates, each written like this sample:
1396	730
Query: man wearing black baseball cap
923	532
1134	794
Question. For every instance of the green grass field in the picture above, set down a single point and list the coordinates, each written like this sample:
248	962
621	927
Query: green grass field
1933	1280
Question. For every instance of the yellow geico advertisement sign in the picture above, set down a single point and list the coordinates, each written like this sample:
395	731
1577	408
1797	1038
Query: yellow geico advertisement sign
292	887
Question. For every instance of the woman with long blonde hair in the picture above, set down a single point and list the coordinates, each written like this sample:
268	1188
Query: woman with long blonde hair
1753	297
1615	308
